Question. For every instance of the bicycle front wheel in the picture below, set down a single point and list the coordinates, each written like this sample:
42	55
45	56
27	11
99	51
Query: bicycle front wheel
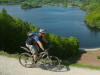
26	60
52	60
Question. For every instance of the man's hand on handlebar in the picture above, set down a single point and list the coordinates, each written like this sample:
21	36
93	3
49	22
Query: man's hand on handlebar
45	50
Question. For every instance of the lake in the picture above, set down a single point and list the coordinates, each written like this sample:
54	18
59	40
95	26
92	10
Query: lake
62	21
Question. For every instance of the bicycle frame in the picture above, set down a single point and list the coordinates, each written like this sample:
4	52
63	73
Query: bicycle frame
40	55
26	49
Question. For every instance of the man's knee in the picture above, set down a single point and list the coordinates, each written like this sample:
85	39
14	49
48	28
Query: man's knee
36	53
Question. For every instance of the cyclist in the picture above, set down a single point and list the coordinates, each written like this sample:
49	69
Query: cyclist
34	40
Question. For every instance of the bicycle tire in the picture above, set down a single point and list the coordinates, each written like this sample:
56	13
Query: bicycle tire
23	58
52	60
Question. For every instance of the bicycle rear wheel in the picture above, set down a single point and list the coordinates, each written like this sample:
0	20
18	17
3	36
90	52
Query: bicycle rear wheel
26	60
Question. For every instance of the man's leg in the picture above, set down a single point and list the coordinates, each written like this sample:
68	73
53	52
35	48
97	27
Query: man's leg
35	57
34	52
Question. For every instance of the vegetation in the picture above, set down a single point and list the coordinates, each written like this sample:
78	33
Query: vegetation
86	66
93	13
98	57
9	26
63	47
32	5
13	35
2	53
11	1
37	3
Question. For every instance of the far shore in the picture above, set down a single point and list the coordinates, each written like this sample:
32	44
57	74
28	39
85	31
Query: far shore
89	49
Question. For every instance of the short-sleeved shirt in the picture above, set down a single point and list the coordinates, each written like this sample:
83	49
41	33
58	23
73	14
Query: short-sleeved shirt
33	40
36	37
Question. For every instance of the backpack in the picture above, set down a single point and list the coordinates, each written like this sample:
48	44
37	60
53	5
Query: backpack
29	34
30	40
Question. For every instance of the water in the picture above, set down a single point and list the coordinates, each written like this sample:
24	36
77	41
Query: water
63	21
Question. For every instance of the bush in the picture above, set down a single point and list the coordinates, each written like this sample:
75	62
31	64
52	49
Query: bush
28	5
98	57
63	47
84	5
13	32
65	4
93	19
93	13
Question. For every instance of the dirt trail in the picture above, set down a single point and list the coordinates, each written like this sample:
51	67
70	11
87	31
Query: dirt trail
11	66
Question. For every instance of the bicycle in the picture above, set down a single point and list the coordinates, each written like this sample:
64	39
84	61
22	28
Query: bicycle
26	58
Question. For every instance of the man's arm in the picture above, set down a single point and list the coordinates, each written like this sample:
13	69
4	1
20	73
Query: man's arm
40	44
45	40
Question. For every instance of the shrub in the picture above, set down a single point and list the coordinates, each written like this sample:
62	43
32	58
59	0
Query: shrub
28	5
13	32
98	57
63	47
93	13
93	19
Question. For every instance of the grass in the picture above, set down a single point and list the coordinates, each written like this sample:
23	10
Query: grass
68	63
65	62
2	53
98	57
73	62
86	66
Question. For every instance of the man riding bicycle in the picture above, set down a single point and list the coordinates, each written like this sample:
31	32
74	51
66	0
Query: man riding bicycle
34	40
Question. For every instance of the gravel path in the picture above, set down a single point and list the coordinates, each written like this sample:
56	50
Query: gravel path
11	66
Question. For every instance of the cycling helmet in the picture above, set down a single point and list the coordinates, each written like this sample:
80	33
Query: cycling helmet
42	31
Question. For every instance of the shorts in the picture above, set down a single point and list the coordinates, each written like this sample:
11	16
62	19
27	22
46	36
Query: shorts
33	48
